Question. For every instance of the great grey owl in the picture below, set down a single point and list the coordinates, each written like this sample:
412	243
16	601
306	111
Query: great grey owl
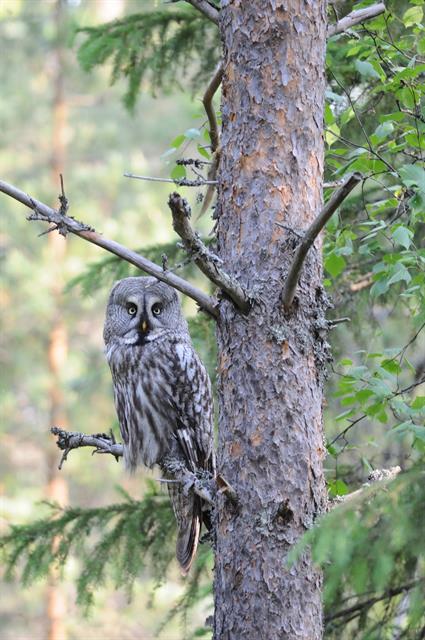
162	394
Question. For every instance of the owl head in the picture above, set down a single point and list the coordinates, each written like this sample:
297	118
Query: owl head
140	310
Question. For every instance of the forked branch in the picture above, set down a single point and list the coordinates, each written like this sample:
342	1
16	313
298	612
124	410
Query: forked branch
355	17
207	262
206	487
65	224
311	234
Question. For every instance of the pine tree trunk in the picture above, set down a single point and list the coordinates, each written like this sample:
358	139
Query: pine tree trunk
271	363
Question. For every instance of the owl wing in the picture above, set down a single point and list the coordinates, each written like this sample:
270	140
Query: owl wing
192	403
193	432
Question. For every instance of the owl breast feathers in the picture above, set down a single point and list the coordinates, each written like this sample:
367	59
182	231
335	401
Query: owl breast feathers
162	393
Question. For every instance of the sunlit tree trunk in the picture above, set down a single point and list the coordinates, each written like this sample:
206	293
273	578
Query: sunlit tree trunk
271	363
58	340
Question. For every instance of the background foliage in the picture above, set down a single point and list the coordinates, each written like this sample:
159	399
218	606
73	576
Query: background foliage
372	547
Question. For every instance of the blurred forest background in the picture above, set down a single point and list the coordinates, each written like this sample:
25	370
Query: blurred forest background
57	118
52	346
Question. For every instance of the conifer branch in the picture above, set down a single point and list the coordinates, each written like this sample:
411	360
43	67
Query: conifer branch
204	7
65	224
207	262
311	234
355	17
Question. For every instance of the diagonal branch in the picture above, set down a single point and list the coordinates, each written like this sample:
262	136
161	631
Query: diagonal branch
204	7
207	262
367	604
65	224
355	17
311	235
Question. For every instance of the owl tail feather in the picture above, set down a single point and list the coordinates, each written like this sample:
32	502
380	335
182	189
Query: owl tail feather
188	537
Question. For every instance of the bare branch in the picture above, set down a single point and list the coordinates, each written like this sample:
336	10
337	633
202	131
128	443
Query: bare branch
101	442
355	17
183	182
363	283
206	487
311	235
207	262
366	604
66	224
209	108
377	475
204	7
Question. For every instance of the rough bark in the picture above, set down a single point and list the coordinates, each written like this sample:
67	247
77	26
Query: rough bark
271	363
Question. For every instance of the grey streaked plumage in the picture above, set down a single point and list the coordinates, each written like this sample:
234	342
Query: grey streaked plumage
162	392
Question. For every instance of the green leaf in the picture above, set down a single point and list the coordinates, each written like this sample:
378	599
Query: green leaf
384	130
413	174
414	15
363	395
337	487
400	273
402	235
408	427
329	116
334	265
203	152
366	69
329	134
392	366
178	140
178	173
418	402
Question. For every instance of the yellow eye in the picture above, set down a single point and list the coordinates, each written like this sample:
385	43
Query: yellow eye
131	309
156	309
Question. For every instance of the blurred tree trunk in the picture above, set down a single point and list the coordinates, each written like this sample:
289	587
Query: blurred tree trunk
271	363
57	490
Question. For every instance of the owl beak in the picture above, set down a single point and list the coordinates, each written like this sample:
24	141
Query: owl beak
144	326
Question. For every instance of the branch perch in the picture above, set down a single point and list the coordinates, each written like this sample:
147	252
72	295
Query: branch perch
311	235
101	442
202	256
65	224
355	17
206	488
